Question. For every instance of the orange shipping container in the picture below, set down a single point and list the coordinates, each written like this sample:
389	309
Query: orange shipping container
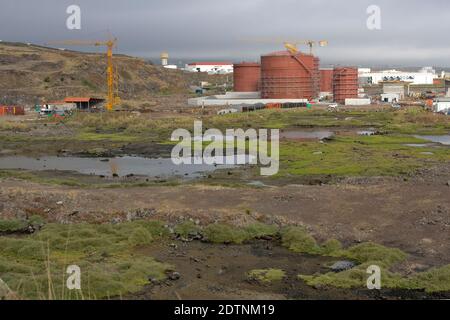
11	111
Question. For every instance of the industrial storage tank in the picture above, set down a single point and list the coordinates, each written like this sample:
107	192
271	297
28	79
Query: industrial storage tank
287	76
326	79
345	83
246	76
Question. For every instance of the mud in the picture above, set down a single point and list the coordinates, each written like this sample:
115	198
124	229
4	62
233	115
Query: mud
209	271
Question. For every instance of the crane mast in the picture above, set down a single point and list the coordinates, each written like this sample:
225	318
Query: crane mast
112	98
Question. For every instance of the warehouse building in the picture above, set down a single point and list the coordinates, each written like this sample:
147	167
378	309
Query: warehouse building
84	103
397	88
442	105
212	67
371	77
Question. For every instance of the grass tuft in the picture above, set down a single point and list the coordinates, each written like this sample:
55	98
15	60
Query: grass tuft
266	275
297	239
186	229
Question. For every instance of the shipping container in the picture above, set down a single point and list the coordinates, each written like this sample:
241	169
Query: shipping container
12	111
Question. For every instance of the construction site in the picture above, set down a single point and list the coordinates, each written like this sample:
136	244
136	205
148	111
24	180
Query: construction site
87	176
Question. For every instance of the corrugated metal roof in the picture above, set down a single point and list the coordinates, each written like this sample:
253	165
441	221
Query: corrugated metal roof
80	99
77	99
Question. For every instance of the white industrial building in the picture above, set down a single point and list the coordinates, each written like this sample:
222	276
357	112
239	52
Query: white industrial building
390	97
423	77
210	67
441	105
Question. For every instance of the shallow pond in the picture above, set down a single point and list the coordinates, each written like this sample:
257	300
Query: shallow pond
305	134
121	166
442	139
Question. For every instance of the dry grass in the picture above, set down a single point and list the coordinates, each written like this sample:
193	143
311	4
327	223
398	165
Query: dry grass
14	126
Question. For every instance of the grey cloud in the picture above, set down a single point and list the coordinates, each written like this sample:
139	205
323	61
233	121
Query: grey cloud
413	32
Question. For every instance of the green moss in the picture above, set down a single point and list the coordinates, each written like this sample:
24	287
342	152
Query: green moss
374	252
105	253
17	225
353	278
223	233
331	247
36	220
12	225
433	280
297	239
156	228
186	229
114	137
356	156
258	230
266	275
140	236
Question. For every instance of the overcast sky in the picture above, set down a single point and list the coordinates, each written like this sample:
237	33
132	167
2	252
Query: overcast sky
413	32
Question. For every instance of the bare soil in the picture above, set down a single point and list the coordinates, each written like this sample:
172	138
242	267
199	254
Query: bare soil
209	271
413	215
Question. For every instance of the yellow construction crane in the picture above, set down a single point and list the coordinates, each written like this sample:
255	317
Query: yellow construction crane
290	45
113	98
309	43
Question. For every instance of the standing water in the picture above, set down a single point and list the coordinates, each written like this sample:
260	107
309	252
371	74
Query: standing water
442	139
120	166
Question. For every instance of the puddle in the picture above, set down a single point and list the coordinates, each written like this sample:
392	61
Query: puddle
306	134
417	145
122	166
257	183
442	139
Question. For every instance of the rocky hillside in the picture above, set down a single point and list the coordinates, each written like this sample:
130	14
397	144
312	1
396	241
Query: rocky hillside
30	73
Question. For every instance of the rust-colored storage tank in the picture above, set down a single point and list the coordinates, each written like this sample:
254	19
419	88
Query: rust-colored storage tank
345	83
284	76
246	76
326	80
